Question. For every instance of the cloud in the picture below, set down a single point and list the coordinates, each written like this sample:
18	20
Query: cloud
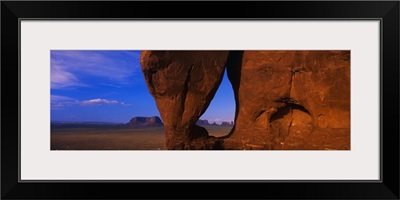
59	98
61	78
100	102
110	85
115	66
60	101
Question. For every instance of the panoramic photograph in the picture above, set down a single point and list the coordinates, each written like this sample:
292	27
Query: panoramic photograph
200	100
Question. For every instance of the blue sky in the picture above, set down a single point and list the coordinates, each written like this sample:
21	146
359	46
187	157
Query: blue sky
108	86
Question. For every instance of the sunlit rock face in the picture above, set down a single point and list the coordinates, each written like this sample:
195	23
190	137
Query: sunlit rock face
183	83
284	99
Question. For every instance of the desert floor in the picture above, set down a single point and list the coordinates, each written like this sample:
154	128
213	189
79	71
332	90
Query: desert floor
149	138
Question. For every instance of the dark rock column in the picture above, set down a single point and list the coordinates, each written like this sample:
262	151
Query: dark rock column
183	83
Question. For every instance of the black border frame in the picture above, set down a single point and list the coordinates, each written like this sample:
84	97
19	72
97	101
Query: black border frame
386	11
194	19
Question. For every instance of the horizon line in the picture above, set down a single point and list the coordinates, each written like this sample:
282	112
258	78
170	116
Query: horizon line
76	121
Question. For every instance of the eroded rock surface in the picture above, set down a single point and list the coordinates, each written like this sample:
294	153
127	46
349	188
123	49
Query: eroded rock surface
183	84
284	96
284	99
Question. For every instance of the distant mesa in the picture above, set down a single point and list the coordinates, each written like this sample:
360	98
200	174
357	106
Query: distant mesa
227	123
204	122
145	121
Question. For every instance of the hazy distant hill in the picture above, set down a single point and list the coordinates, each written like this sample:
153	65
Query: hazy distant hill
204	122
145	121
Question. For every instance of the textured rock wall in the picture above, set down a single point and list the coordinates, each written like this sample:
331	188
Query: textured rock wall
284	99
282	95
183	83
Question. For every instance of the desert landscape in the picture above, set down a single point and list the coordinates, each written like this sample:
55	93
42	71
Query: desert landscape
284	100
141	133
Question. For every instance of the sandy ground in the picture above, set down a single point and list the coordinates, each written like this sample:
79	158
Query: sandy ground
116	138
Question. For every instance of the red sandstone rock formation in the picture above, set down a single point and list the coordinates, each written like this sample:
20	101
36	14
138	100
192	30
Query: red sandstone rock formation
284	96
284	99
183	83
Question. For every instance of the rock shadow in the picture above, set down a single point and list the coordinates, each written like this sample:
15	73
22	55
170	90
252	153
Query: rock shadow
291	119
234	68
